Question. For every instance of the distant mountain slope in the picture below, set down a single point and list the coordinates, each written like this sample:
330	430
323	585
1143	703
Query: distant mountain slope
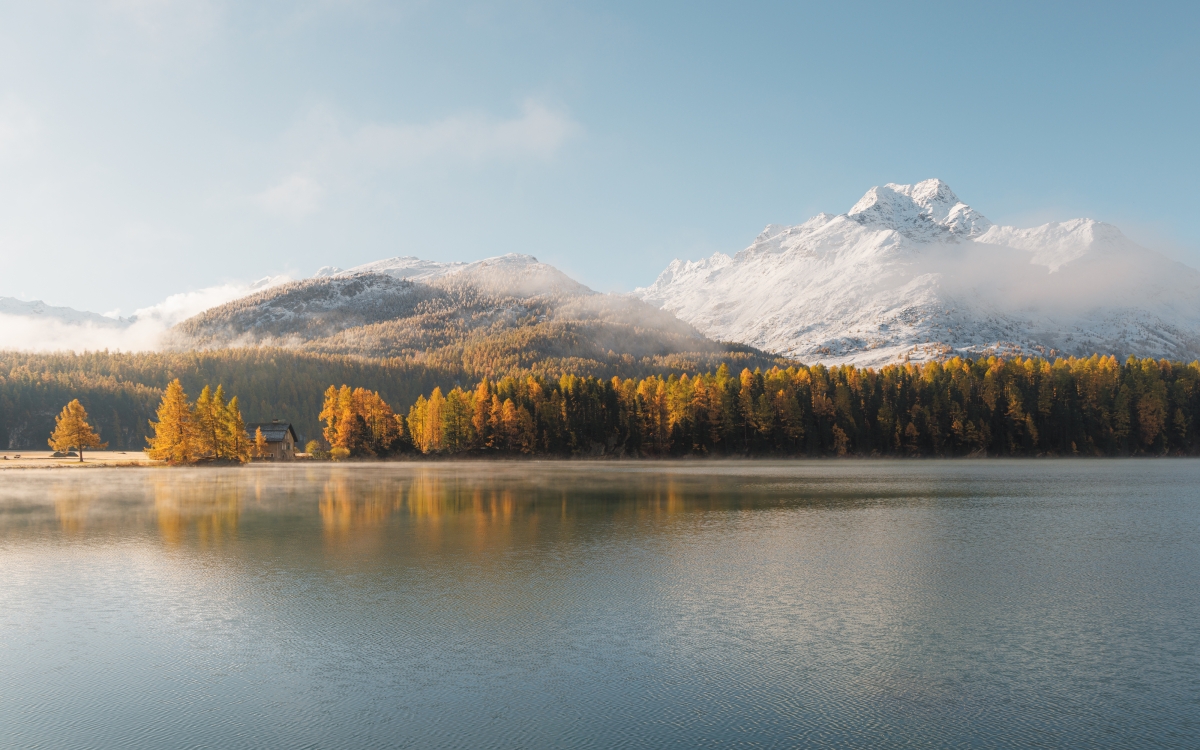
913	272
495	316
39	310
511	274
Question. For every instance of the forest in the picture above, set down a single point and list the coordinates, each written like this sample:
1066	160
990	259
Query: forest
987	407
1096	406
122	390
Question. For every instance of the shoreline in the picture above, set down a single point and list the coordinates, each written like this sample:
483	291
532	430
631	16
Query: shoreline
42	459
8	460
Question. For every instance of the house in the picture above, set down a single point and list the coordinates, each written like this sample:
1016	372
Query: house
281	439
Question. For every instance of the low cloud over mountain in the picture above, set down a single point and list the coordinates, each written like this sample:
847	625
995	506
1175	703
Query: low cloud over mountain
912	272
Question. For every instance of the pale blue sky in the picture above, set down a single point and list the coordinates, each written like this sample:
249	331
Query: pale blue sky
153	146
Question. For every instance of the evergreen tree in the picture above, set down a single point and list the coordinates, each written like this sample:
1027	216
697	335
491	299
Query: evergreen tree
71	430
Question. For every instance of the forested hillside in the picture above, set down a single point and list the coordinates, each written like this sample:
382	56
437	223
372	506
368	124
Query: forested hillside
458	321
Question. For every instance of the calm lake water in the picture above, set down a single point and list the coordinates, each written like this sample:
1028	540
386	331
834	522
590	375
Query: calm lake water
529	605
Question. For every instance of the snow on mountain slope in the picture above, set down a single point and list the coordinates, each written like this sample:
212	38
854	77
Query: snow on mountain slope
511	274
912	272
36	326
40	310
453	319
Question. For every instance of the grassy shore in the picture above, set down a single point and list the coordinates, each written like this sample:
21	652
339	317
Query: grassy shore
42	459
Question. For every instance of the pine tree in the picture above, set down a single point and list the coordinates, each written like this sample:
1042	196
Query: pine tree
260	443
174	431
71	430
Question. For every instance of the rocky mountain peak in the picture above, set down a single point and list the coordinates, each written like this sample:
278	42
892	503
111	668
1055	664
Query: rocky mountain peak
928	210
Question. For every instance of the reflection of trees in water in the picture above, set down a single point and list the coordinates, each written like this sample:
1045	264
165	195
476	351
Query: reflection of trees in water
433	496
351	503
360	502
208	505
354	502
71	506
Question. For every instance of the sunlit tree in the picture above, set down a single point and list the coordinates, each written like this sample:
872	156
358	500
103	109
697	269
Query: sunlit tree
71	430
174	432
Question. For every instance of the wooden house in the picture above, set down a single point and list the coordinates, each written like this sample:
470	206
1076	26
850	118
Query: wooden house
281	439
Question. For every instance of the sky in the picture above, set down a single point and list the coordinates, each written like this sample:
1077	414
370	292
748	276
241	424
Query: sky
154	147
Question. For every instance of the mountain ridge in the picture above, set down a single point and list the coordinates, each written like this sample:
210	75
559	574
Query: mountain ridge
497	316
912	272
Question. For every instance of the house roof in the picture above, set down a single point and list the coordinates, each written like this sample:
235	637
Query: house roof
273	432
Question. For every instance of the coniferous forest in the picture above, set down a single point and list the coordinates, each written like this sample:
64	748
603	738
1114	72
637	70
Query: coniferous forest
122	391
996	407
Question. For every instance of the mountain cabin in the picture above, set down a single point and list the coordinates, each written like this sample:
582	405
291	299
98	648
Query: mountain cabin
281	439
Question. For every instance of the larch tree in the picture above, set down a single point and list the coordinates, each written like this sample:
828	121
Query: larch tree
209	413
358	422
331	415
260	443
174	432
234	442
71	430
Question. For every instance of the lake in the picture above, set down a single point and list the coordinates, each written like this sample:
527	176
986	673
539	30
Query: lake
527	604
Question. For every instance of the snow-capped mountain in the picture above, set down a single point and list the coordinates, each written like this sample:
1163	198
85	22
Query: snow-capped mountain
912	272
496	316
38	310
40	327
511	274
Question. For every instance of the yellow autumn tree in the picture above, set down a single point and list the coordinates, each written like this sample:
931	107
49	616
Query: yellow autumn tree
331	413
174	432
260	443
359	423
208	415
418	422
234	442
71	430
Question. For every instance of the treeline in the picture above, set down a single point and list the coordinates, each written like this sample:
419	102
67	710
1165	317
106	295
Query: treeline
999	407
995	407
122	390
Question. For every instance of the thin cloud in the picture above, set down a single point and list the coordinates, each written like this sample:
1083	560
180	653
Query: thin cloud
143	332
328	153
167	24
296	196
539	133
18	129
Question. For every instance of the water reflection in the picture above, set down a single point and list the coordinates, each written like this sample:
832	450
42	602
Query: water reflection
205	508
71	504
347	504
532	605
